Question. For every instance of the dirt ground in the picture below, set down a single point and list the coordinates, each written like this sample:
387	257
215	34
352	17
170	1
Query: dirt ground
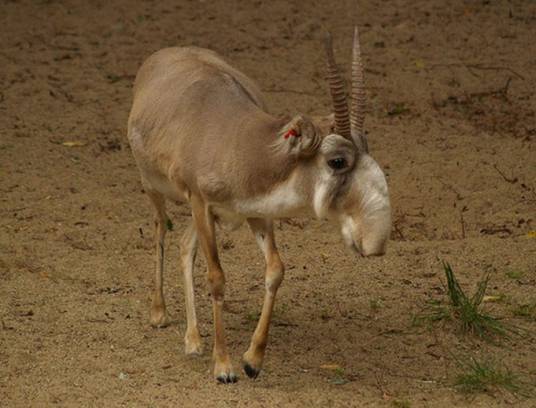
451	120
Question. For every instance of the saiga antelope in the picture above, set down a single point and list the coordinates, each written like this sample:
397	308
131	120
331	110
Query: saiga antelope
200	133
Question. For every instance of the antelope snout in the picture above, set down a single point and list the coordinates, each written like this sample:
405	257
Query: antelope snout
368	235
373	246
371	241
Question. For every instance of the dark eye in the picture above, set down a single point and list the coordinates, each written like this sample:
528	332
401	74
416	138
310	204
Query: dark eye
337	164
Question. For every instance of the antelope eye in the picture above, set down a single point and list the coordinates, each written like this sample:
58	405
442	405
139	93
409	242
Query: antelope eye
337	164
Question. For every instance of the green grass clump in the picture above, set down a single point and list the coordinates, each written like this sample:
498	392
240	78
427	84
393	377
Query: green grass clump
514	274
485	376
169	225
253	317
397	109
463	309
401	403
375	304
340	377
467	309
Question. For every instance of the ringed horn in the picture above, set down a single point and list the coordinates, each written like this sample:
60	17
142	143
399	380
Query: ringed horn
348	125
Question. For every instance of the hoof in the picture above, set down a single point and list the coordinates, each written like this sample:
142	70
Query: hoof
193	346
250	371
252	362
193	350
160	320
227	378
223	371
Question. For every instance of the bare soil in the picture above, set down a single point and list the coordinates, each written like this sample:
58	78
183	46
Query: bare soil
451	120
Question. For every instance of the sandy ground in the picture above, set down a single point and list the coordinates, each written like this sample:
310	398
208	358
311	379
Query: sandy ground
451	120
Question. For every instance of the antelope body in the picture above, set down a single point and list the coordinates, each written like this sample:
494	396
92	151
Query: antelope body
200	133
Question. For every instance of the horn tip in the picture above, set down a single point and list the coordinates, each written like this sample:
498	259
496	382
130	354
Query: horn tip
328	39
328	43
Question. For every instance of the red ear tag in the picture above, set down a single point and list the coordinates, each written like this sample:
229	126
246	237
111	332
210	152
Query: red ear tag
291	132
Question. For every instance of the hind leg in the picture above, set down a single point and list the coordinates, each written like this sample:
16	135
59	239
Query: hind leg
188	251
158	313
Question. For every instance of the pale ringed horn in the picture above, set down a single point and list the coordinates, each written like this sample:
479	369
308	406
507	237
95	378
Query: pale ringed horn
338	92
358	97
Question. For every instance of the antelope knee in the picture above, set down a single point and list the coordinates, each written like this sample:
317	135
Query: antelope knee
216	282
275	275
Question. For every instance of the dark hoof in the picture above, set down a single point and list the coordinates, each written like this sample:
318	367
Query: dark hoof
227	379
250	371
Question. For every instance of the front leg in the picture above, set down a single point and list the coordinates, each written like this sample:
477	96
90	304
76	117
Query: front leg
264	233
204	222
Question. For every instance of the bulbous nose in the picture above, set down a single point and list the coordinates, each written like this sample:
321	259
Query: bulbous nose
376	252
373	247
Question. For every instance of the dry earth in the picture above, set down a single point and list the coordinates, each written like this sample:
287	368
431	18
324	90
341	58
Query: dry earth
451	120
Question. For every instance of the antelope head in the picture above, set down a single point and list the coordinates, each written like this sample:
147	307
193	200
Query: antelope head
351	187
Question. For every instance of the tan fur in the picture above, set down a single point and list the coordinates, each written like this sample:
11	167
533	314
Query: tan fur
224	132
200	133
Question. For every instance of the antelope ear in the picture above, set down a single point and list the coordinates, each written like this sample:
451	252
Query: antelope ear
299	137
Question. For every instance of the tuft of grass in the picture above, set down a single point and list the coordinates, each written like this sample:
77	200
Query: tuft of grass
467	309
397	109
169	225
463	309
401	403
375	304
485	376
340	377
253	317
515	274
